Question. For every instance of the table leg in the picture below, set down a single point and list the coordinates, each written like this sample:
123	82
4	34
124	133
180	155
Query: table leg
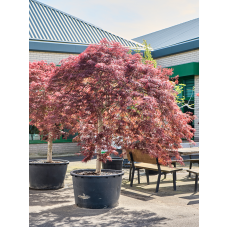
196	182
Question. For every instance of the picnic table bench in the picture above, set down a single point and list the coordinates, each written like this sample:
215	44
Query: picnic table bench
148	163
196	172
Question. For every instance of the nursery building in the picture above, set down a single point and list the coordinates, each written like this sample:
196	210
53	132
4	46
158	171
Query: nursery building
54	35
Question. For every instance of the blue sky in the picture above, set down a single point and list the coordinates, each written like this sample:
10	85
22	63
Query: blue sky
130	18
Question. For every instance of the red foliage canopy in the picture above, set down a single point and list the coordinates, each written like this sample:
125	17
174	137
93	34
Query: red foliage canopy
134	100
42	105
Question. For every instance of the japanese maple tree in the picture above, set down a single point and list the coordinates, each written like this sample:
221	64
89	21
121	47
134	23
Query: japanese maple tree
42	104
110	96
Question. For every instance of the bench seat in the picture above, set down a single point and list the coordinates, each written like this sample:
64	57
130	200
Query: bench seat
191	160
193	171
145	161
154	167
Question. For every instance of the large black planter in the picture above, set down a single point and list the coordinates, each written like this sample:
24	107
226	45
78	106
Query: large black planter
96	191
47	175
116	163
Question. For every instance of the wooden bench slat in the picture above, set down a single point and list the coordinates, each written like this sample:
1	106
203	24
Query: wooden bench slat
187	160
155	167
193	171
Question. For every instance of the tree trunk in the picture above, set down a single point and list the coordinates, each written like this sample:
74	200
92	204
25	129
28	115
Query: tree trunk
98	162
49	152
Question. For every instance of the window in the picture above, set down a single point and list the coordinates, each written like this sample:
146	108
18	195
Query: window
189	88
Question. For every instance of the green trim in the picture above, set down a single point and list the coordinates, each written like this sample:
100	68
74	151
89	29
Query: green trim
184	70
56	141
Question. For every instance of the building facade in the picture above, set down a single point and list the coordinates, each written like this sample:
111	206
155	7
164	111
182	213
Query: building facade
177	47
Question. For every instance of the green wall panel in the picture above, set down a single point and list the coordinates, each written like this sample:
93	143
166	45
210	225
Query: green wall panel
184	70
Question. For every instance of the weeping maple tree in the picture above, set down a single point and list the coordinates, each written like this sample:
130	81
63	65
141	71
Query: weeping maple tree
42	104
110	95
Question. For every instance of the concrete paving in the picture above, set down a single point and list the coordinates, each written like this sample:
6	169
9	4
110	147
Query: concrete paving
139	206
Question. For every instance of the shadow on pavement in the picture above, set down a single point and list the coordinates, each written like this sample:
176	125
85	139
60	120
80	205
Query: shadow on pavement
193	202
136	195
75	216
56	208
193	196
163	190
44	198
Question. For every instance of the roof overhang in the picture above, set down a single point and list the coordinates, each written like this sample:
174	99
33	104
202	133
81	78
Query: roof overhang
56	47
175	49
79	48
59	47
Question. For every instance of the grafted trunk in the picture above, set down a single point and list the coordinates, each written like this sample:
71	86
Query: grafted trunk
98	162
49	152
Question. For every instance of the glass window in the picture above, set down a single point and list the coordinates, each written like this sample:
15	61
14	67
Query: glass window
188	89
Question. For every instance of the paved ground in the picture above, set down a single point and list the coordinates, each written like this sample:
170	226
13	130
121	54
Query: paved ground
138	205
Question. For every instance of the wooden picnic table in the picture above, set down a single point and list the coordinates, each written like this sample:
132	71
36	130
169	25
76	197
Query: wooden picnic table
188	151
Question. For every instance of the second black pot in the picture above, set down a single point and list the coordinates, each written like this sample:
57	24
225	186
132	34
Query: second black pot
116	163
47	175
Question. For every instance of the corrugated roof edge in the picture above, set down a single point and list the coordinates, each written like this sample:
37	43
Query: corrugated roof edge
164	28
86	22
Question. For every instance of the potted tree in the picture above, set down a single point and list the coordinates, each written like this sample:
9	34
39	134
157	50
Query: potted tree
43	174
111	96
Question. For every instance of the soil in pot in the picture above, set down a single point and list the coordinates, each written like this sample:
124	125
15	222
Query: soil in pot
44	175
97	191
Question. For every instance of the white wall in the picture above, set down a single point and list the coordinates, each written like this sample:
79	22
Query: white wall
196	104
40	150
177	59
48	56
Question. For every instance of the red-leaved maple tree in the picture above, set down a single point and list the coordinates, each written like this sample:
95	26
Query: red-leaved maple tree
42	104
110	96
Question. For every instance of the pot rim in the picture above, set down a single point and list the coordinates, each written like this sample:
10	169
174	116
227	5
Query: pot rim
115	159
120	172
64	162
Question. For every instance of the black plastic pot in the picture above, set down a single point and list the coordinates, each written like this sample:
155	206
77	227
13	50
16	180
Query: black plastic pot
47	175
116	163
152	172
119	153
97	191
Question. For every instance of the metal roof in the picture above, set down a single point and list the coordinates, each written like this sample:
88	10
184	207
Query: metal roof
49	24
173	35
